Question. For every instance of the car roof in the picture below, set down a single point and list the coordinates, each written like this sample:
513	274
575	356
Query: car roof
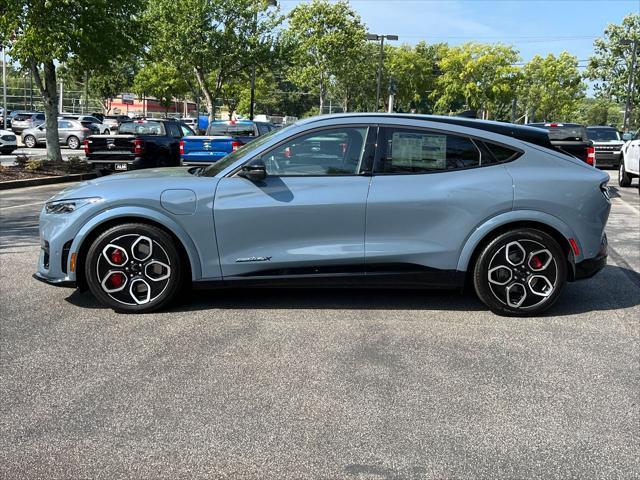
529	134
608	127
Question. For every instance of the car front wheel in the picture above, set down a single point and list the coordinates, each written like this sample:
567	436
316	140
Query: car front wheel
30	141
624	179
73	143
134	268
520	272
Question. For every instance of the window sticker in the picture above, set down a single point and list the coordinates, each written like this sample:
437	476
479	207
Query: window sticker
419	151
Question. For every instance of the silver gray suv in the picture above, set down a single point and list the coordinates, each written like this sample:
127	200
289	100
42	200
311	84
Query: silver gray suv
71	133
25	120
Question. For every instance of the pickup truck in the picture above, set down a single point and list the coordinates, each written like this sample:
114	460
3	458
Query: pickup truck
222	138
570	138
607	143
139	144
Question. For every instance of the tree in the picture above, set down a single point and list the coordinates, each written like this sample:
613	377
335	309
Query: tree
415	72
49	33
483	76
160	80
214	39
327	38
551	87
598	111
610	66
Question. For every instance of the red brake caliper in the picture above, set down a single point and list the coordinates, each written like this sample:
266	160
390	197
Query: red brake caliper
116	280
537	263
117	257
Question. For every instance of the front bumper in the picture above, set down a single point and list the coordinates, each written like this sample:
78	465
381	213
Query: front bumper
56	282
608	158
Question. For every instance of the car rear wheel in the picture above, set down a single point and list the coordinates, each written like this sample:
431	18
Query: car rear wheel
520	272
107	132
73	143
30	141
624	179
134	268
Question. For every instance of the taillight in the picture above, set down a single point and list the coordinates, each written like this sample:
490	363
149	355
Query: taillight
86	146
181	147
138	148
235	145
591	155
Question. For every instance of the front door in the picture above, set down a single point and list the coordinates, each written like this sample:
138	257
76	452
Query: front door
307	217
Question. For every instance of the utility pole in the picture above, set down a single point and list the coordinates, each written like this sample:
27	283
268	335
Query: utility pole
4	88
60	100
630	82
375	37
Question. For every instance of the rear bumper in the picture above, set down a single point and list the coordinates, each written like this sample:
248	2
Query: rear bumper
590	266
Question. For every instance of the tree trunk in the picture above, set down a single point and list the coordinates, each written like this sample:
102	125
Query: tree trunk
49	94
208	97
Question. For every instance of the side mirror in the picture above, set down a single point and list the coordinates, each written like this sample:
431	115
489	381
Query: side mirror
627	136
40	127
254	172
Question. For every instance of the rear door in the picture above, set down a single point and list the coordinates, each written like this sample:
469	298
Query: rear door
633	152
429	191
307	217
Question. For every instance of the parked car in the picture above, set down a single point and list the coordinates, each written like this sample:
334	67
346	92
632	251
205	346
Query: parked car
71	133
88	120
23	121
222	138
571	138
364	199
630	164
8	142
138	144
113	122
607	144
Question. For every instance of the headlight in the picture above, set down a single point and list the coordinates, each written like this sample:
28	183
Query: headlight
68	206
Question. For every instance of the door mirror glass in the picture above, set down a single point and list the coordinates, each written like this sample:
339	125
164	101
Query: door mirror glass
627	136
255	171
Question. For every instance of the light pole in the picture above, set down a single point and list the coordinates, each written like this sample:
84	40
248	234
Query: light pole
375	37
632	69
252	96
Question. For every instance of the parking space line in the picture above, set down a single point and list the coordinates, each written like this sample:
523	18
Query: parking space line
21	205
626	204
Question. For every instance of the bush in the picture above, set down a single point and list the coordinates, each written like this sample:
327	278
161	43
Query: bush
76	164
34	165
21	161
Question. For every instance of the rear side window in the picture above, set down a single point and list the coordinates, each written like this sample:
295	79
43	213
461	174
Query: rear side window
232	129
419	151
40	116
499	153
263	129
141	128
174	131
64	124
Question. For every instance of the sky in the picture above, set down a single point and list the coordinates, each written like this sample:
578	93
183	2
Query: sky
532	26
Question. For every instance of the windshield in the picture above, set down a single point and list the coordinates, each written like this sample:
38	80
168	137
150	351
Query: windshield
215	168
141	128
603	134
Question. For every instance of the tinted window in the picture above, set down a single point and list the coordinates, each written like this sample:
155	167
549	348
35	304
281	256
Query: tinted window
499	153
173	129
328	152
64	124
91	119
141	128
415	151
186	131
21	117
40	116
603	134
232	129
564	133
262	128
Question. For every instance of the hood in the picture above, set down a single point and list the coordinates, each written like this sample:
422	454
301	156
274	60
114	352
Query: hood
134	184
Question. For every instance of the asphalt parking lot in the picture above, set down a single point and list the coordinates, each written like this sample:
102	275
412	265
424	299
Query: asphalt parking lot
318	383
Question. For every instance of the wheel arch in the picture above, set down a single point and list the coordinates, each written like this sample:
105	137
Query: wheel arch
83	240
554	227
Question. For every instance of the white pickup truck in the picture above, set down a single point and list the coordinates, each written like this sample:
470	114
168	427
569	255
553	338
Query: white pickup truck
630	161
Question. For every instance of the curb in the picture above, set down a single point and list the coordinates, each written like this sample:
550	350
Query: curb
34	182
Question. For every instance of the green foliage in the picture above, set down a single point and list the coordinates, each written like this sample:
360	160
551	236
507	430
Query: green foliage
598	111
610	66
482	76
162	81
328	46
76	164
551	87
21	161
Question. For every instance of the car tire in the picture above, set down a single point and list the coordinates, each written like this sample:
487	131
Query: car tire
624	179
30	141
134	268
73	142
520	272
107	132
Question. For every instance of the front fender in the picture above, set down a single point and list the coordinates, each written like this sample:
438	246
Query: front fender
481	232
148	214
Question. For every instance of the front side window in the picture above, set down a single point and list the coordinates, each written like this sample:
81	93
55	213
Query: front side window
174	131
336	151
141	127
186	131
421	151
